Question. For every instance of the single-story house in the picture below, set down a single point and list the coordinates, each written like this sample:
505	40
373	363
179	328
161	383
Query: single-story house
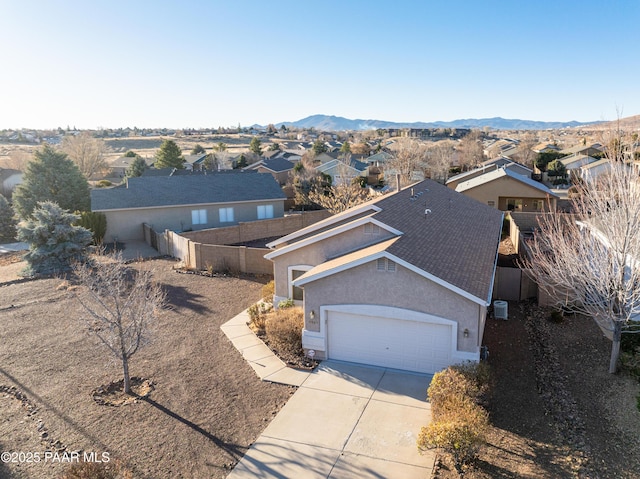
277	166
343	171
187	202
588	150
576	161
508	191
592	170
118	167
402	281
194	162
9	179
487	166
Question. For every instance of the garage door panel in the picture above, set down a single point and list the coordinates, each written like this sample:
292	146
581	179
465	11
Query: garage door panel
394	343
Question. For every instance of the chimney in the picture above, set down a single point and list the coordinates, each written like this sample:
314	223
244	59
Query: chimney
398	181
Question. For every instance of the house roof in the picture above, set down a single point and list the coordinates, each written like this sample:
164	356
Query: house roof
501	173
595	164
159	191
455	241
581	148
352	165
194	158
277	164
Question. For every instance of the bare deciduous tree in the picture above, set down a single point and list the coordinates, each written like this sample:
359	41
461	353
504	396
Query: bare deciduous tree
470	151
17	160
85	151
121	305
591	262
440	156
525	153
339	197
409	156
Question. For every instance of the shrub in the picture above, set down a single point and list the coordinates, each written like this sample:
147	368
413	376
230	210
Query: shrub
268	291
459	431
258	315
630	362
95	222
478	373
103	183
450	385
284	330
286	303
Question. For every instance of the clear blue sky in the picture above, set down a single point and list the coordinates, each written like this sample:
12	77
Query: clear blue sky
110	63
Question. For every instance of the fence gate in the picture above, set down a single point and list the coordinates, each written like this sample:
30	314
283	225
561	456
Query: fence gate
507	283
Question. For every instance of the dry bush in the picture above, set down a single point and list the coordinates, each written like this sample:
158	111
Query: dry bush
258	316
284	330
93	470
478	373
447	386
268	291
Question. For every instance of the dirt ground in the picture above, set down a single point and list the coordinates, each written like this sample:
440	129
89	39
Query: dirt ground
207	408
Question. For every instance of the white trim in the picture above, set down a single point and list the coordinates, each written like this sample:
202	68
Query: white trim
409	266
332	232
326	222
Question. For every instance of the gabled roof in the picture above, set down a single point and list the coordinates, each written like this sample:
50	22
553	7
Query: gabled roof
194	158
277	164
352	165
568	160
162	191
502	173
491	165
381	156
444	235
581	148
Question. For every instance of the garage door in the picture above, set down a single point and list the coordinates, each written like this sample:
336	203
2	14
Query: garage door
394	343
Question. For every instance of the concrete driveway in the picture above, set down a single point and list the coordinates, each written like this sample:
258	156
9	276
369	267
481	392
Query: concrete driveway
346	421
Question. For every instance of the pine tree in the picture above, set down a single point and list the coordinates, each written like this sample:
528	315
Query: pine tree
136	168
7	221
51	176
169	155
54	241
255	146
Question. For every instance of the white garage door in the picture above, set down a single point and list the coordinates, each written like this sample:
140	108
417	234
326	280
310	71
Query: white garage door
394	343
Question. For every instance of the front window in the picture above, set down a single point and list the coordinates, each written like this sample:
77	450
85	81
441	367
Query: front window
265	211
199	217
226	215
514	204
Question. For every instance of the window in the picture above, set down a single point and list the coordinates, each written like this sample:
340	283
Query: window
265	211
371	229
295	272
385	264
514	204
198	217
226	215
537	205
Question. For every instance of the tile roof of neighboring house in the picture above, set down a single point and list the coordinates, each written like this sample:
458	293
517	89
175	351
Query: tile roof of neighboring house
456	241
501	173
158	191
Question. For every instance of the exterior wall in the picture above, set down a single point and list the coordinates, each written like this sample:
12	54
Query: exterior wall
127	224
402	289
317	253
502	188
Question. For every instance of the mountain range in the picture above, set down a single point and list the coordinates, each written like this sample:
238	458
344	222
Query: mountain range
338	123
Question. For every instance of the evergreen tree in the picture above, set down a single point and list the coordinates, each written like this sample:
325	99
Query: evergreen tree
136	168
169	155
255	146
51	176
198	150
7	221
130	154
54	241
319	147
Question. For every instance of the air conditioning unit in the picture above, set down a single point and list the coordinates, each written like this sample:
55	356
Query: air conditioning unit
500	309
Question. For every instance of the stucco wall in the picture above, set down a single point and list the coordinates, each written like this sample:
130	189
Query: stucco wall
502	188
127	224
317	253
403	288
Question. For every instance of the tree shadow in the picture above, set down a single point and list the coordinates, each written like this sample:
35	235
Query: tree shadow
234	450
179	297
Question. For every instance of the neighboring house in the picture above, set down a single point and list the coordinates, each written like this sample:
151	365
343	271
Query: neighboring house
402	281
587	150
576	161
343	171
379	159
487	166
187	202
118	167
9	179
194	162
509	191
279	167
592	170
546	148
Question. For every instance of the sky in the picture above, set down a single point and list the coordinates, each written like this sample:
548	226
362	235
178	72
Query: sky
204	64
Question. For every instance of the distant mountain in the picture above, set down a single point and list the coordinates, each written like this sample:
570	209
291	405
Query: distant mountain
337	123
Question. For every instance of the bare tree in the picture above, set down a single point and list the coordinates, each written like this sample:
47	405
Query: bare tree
525	153
342	195
121	305
85	151
470	150
17	160
591	262
409	156
440	156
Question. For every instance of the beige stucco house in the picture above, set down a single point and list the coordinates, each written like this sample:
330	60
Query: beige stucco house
507	190
402	281
187	202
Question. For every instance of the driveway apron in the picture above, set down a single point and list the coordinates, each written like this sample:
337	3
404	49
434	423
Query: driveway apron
346	421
